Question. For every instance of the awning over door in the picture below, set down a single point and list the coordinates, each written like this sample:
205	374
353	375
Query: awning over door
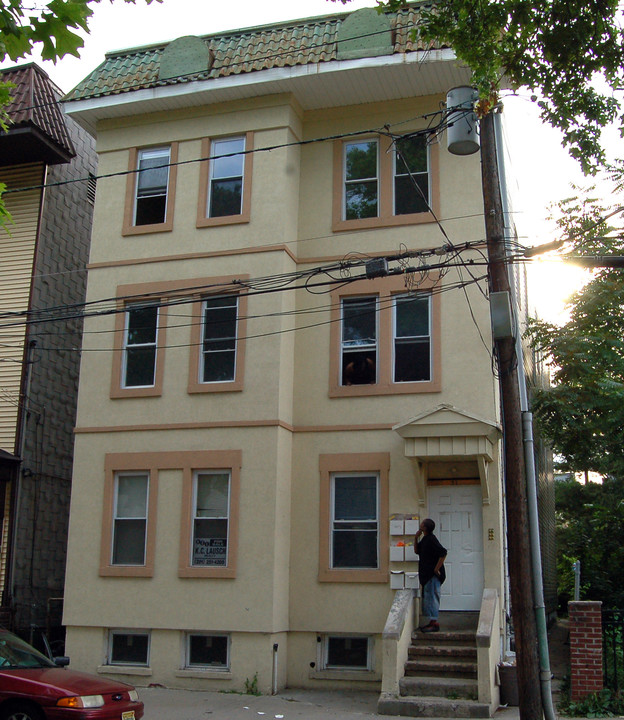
447	433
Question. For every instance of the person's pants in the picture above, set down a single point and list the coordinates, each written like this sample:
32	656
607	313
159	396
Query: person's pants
431	598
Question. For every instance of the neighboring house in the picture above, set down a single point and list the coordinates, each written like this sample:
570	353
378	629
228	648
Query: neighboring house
260	426
43	255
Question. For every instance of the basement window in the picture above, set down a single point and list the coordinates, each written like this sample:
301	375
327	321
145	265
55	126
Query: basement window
342	652
207	651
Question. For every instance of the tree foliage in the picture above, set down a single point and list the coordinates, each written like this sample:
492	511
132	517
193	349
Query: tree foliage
555	48
582	412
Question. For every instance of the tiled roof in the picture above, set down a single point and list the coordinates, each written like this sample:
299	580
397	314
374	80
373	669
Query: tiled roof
302	42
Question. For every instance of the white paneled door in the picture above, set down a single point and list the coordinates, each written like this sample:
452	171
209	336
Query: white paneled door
457	512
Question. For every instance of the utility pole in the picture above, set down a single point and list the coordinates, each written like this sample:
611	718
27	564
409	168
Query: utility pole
518	541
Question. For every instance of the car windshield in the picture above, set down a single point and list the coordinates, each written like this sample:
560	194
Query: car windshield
15	653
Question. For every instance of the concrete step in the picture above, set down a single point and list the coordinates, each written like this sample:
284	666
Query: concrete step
431	707
442	650
455	637
450	667
446	687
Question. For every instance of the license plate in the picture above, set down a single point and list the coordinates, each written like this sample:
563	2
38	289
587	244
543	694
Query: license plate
128	715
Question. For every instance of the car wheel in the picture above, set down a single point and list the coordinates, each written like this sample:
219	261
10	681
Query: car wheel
21	711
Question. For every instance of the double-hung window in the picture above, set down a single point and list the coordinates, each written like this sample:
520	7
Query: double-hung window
130	518
412	338
152	183
355	521
140	344
227	164
359	340
219	317
411	176
211	511
361	189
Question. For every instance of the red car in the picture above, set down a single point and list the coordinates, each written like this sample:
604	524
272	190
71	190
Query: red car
32	687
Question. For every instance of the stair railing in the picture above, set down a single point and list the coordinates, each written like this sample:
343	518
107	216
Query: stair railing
397	636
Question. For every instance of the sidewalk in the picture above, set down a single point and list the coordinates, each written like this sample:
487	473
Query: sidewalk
165	704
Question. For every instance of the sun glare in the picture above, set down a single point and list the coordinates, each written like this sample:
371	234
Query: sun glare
551	283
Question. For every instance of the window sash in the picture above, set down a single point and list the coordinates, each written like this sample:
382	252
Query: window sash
129	648
346	653
227	177
354	528
130	512
415	153
204	650
210	523
412	346
361	180
219	339
152	185
140	343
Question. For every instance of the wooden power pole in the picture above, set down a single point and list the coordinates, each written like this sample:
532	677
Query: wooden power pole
518	542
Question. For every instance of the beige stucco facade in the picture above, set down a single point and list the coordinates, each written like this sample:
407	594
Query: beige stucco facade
289	422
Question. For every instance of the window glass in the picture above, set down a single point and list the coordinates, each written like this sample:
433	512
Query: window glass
347	652
219	339
130	519
411	178
412	338
361	180
151	186
129	648
226	177
211	515
359	341
355	521
140	346
207	651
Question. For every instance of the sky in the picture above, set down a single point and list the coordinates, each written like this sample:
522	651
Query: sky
539	169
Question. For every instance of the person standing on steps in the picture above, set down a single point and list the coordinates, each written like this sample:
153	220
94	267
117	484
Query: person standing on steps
431	572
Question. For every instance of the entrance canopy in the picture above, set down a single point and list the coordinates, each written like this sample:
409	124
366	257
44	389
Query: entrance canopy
447	434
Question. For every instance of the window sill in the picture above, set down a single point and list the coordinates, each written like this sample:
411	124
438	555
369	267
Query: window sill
426	386
125	670
208	674
346	674
379	222
223	220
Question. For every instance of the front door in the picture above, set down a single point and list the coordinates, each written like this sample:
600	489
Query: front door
457	513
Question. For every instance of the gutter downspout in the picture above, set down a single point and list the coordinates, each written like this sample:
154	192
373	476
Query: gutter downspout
529	458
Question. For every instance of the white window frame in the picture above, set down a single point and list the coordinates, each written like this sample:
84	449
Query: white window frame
188	665
215	154
413	338
203	353
345	347
163	152
346	182
323	659
194	516
115	517
332	518
127	346
396	163
123	631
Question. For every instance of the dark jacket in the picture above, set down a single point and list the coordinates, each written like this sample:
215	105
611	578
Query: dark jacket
429	552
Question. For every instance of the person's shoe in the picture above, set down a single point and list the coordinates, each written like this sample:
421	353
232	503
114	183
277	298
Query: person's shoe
429	624
432	627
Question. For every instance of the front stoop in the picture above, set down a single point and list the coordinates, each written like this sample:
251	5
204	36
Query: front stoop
440	678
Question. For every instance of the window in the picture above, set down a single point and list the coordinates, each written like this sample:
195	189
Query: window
384	343
211	503
140	342
150	190
378	183
129	648
359	341
349	653
152	181
361	180
209	525
411	176
412	338
355	521
130	519
207	651
219	339
354	545
225	181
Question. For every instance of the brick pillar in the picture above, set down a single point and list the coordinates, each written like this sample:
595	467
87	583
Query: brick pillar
585	648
